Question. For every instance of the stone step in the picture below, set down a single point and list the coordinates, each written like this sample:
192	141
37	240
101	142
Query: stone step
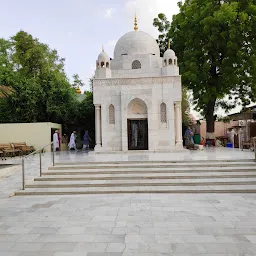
140	181
145	177
198	162
153	165
148	174
139	189
155	184
139	177
151	170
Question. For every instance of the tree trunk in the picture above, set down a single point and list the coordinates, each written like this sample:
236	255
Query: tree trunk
210	120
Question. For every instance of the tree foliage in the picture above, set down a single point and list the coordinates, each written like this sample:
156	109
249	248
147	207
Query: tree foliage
86	114
163	25
215	44
40	90
185	107
77	82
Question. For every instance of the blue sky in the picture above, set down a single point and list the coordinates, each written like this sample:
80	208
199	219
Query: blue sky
77	29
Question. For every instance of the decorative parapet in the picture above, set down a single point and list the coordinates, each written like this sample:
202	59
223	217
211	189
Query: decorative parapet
135	81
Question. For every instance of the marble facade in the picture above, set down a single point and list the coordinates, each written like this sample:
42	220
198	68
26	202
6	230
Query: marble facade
137	97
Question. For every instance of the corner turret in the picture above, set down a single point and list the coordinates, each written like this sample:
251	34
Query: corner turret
103	65
170	63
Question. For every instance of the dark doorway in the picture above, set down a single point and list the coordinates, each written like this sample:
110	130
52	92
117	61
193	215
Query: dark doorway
138	134
52	132
236	141
252	129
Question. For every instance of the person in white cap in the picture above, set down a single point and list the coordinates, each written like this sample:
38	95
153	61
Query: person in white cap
55	141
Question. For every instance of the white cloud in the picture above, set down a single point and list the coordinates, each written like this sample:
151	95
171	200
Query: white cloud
109	12
147	10
111	43
70	34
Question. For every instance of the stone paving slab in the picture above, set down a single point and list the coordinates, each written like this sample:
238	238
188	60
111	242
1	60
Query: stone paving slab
130	224
124	225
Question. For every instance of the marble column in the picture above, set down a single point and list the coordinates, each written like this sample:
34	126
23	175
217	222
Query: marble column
178	124
97	126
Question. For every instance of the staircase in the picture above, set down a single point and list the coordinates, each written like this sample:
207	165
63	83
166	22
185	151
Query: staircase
145	177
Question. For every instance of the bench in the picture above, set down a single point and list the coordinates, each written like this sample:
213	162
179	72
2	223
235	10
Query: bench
9	150
23	147
2	155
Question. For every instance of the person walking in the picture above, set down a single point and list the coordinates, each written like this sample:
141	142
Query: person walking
189	140
64	141
55	141
86	139
72	141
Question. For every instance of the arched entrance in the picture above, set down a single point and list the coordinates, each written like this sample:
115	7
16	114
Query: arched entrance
137	125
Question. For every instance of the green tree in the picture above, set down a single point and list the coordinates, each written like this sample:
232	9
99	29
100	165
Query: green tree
86	115
77	82
215	43
163	25
35	74
185	107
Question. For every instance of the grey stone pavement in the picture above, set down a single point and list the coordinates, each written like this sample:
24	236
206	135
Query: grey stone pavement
130	224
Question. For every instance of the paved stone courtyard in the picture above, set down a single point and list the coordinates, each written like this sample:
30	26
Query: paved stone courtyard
139	225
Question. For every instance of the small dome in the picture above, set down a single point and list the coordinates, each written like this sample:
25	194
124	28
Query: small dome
103	56
169	53
136	42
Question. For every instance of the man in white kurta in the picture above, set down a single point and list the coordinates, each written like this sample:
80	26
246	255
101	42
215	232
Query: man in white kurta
72	141
55	141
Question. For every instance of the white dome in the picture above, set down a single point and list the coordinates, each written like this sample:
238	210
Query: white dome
103	56
136	42
169	53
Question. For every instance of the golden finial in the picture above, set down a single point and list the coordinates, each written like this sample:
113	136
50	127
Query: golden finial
78	91
169	44
135	23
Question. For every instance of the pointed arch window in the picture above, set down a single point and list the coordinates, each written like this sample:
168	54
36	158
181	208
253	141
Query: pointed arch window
136	65
170	61
111	114
163	114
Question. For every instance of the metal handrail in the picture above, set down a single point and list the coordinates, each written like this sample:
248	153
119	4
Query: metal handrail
40	162
254	146
34	152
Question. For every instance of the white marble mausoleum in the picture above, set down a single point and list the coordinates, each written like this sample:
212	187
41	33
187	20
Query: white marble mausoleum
137	97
